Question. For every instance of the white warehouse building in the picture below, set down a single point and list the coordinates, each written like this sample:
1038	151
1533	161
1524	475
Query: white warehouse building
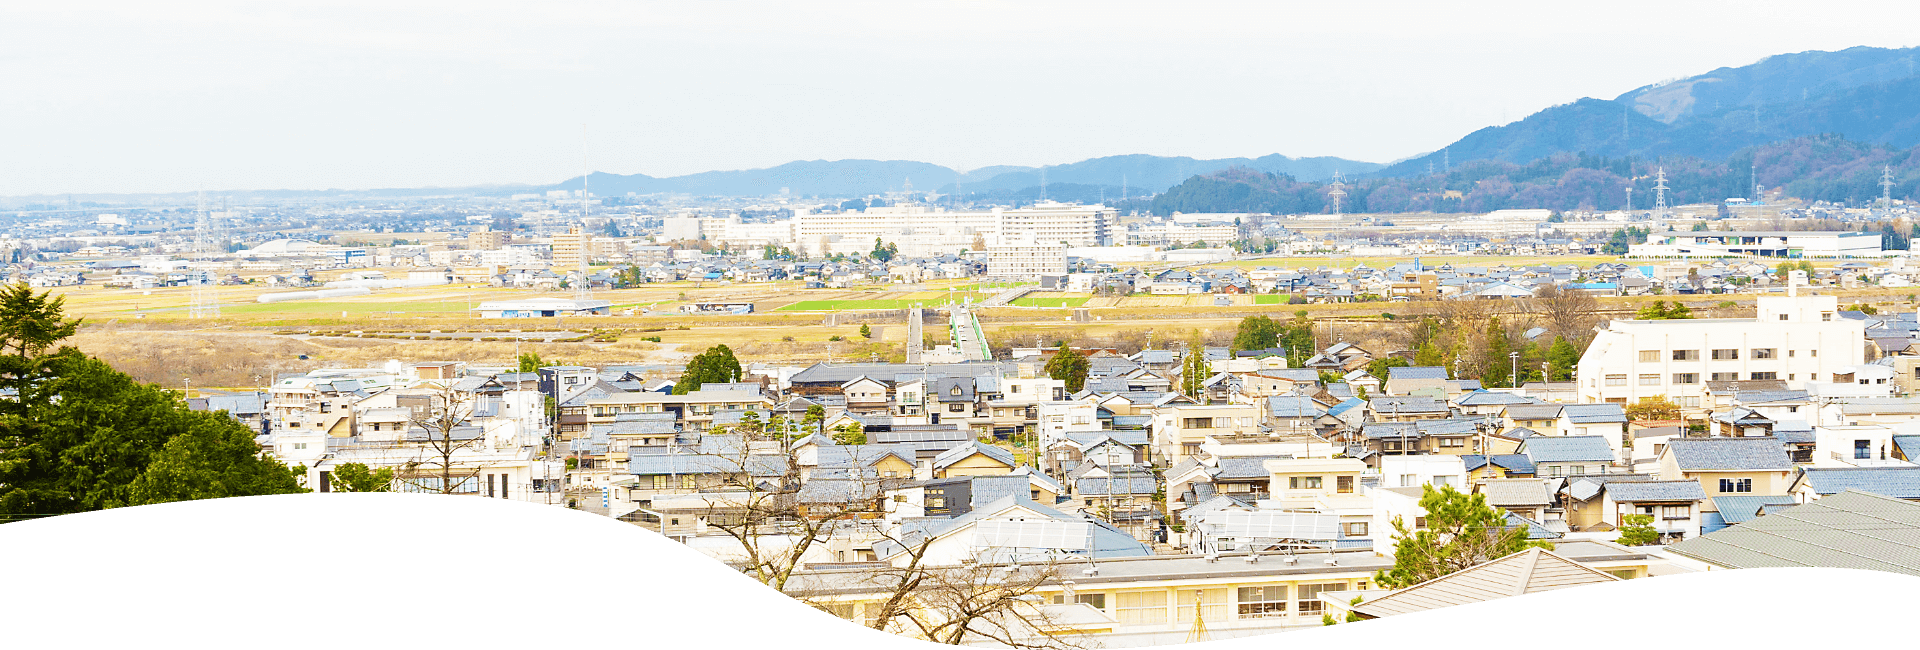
1796	339
1793	244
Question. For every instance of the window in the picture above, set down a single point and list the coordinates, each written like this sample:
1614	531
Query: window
1689	401
1196	423
1409	480
1141	607
1616	380
1213	605
941	502
1453	442
1790	354
1354	528
659	481
687	482
1826	315
1783	317
299	445
1863	449
1686	378
1726	355
1763	353
1650	380
1725	376
1625	574
1686	355
1554	470
1098	601
1673	513
899	498
1303	482
1765	375
1343	484
1579	469
1736	485
1649	356
1310	596
1442	481
1813	353
956	408
1263	602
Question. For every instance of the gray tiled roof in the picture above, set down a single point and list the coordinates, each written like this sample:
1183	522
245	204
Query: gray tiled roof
1595	413
1656	491
1122	484
1516	492
970	448
1567	449
1409	404
1759	453
1416	372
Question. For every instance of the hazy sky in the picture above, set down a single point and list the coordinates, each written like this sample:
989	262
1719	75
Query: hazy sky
175	96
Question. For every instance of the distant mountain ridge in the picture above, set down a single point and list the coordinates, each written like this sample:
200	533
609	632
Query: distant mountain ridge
1140	174
1865	94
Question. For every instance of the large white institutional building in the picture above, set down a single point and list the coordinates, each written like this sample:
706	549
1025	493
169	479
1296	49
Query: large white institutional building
1796	339
919	230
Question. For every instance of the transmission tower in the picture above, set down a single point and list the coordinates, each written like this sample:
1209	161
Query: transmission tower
583	290
1336	193
1660	194
205	299
1886	188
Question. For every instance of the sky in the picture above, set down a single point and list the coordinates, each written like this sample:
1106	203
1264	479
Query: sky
179	96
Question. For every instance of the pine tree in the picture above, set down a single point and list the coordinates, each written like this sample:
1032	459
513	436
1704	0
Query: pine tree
1562	357
1068	366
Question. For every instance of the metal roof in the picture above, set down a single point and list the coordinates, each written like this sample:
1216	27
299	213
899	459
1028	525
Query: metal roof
1529	571
1849	530
1741	509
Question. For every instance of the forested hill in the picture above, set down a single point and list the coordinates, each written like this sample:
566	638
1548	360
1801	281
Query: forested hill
1827	168
1865	94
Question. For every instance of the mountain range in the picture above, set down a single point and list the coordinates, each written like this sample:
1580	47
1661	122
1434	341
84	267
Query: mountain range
1865	94
1135	175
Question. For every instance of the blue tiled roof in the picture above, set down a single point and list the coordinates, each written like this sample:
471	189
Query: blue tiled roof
1656	491
1595	413
1761	453
1512	463
1896	482
1739	509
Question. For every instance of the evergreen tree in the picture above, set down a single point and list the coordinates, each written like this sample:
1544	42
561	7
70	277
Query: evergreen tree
1562	357
1068	366
1499	367
1256	333
1461	531
714	366
76	435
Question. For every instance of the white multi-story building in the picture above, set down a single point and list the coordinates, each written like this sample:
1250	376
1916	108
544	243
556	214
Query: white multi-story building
922	231
1794	244
1026	258
1796	339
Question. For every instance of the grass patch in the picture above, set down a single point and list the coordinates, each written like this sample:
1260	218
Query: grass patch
1269	299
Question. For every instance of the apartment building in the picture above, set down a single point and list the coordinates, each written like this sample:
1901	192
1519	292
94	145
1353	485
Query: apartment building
924	230
1796	339
570	249
1179	430
1026	257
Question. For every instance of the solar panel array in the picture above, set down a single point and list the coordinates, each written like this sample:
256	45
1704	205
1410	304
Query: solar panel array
1265	524
1032	533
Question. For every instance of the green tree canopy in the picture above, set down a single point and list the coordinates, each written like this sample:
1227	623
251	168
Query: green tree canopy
1462	531
1257	333
531	362
30	322
1660	310
1068	366
1637	530
715	366
357	477
78	435
1561	359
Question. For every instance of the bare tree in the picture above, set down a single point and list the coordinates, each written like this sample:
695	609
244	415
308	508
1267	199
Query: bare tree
1569	313
982	601
445	420
776	513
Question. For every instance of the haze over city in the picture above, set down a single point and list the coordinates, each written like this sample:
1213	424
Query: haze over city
139	97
